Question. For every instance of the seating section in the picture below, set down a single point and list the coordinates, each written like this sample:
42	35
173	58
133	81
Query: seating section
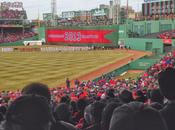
167	35
107	104
15	36
13	14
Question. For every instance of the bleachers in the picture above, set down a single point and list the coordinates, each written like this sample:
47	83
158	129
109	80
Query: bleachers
13	14
15	36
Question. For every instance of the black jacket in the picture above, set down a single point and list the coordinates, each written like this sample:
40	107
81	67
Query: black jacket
168	113
94	127
61	125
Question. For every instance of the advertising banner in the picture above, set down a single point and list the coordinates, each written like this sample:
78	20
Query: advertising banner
78	36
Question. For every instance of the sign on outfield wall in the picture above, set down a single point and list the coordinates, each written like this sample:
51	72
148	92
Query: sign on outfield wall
78	36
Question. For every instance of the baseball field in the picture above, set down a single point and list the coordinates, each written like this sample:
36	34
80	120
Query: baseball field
20	68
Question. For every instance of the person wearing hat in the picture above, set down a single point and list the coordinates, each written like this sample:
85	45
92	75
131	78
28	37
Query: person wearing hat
125	96
95	116
30	112
43	90
136	116
166	81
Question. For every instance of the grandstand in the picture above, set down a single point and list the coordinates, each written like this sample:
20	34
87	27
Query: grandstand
91	74
14	25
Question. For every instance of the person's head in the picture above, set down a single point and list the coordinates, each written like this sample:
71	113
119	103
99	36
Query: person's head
73	106
140	96
110	93
107	114
126	96
96	111
87	115
3	110
167	83
156	96
65	99
81	104
37	89
30	112
136	116
62	112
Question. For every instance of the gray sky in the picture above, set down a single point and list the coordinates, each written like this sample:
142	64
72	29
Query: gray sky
43	6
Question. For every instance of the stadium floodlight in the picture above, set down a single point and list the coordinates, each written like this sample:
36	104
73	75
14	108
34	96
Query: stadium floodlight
54	8
117	15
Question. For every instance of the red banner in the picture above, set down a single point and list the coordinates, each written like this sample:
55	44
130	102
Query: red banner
78	36
167	41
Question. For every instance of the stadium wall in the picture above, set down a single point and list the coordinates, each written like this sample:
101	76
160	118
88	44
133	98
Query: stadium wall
140	64
149	27
116	72
153	45
41	31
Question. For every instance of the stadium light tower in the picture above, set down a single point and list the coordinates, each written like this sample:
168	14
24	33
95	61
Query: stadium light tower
54	8
117	12
127	8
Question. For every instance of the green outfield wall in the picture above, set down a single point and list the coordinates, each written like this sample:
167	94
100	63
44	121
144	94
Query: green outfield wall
153	45
116	72
41	31
140	64
147	27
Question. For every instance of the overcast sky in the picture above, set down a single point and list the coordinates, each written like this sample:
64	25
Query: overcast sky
44	6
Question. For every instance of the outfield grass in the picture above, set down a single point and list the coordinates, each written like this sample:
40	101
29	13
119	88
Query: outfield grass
52	68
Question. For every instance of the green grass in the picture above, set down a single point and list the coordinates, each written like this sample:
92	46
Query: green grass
52	68
130	75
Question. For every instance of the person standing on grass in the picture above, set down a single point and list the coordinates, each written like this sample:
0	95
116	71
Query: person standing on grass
68	83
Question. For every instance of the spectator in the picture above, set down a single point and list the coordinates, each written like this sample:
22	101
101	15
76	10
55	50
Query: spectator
62	113
136	116
156	99
167	87
43	90
65	99
68	83
107	114
126	96
37	88
156	96
29	113
140	96
77	83
81	105
73	106
96	115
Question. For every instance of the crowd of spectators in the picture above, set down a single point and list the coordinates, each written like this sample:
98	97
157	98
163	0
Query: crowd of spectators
12	14
146	103
7	37
167	35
